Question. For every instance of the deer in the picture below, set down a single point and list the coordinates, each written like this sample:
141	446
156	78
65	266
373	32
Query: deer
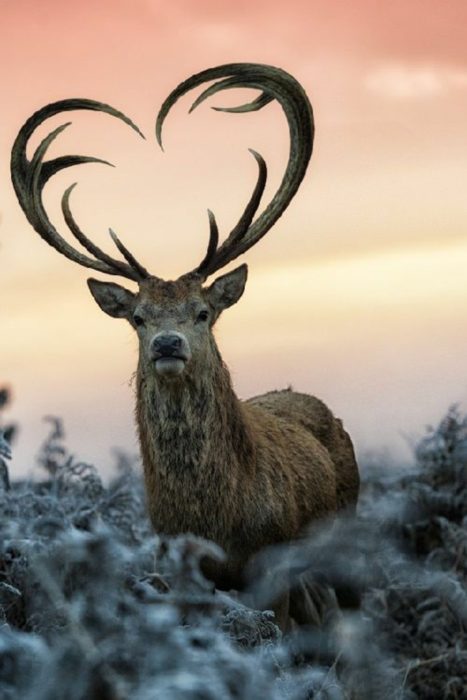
246	475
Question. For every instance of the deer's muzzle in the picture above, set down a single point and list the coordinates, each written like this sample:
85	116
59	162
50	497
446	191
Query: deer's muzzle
170	352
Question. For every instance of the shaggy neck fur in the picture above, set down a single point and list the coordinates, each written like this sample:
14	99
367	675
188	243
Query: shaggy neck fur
196	443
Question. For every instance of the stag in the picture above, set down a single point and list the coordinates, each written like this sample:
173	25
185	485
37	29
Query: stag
245	474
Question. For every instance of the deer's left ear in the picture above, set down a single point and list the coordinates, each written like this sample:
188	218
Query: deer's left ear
228	289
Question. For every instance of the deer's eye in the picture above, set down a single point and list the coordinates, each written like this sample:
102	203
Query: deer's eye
138	320
202	316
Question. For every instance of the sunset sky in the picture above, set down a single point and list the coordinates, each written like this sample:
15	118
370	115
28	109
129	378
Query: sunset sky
357	295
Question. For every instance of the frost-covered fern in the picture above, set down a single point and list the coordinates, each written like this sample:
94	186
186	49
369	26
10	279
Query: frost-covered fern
93	605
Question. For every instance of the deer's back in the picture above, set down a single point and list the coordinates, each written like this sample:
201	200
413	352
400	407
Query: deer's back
312	415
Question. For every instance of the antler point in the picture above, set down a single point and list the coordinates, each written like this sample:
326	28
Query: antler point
159	140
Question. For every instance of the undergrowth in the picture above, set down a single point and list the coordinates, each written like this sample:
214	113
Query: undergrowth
95	606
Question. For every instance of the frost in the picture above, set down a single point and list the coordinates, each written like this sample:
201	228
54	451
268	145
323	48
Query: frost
95	606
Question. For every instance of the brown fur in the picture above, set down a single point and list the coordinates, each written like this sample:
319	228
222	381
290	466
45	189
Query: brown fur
246	475
243	474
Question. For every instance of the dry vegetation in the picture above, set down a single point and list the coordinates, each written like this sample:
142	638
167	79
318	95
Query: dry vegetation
93	606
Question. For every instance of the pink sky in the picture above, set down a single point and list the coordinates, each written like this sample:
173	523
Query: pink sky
364	276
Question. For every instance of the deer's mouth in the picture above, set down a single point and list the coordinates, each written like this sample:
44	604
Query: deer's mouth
170	366
170	353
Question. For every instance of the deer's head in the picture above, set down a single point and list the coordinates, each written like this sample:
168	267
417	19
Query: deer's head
173	319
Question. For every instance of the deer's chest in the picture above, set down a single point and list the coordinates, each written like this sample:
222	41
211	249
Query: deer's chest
186	495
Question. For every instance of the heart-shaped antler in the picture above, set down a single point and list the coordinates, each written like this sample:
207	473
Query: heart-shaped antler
275	84
30	176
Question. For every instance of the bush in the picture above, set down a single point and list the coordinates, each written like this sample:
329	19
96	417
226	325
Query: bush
93	605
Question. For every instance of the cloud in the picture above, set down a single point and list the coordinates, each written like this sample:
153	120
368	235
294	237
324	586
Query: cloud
413	82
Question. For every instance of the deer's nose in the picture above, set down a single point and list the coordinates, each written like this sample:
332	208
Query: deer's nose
166	344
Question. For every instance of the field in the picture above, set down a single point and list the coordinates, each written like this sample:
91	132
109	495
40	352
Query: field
94	606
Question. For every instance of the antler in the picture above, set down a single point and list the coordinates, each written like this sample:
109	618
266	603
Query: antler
30	176
274	83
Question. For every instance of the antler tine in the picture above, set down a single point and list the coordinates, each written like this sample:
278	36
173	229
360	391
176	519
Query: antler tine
274	83
215	256
30	177
203	267
129	257
80	236
223	253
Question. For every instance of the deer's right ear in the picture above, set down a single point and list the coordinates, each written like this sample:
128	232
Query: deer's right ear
112	298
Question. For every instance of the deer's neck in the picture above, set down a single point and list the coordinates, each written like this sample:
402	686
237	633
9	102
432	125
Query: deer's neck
192	426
